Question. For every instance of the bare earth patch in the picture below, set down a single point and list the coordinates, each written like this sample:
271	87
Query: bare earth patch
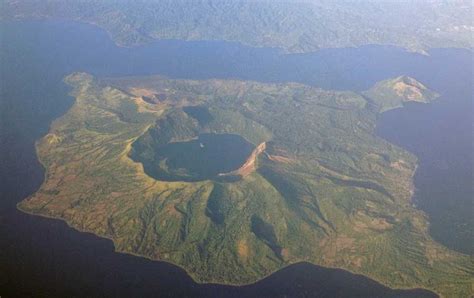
249	166
243	249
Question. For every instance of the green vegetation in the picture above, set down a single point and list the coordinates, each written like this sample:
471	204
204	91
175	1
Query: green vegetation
296	26
319	187
393	93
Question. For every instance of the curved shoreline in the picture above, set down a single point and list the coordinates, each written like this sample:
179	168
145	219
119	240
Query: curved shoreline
250	162
196	280
114	244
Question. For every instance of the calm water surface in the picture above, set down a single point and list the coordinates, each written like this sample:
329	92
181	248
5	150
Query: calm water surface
47	258
203	158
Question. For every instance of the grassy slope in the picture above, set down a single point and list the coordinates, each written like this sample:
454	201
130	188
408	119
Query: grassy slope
326	189
393	93
296	26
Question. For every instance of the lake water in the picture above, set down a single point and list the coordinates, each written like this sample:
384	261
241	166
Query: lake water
47	258
199	159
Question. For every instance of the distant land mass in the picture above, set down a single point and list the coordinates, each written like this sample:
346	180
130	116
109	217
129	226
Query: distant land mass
295	26
234	180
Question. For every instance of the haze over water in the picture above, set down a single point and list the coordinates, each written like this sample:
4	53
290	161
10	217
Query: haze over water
35	56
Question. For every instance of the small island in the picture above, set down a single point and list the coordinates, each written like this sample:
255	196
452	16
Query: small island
234	180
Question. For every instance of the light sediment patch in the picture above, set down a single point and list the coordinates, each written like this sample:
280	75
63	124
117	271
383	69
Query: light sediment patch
249	166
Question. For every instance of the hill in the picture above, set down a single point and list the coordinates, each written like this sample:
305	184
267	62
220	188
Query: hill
393	93
318	185
295	26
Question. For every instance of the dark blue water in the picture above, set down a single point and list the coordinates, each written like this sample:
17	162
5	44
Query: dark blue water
47	258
